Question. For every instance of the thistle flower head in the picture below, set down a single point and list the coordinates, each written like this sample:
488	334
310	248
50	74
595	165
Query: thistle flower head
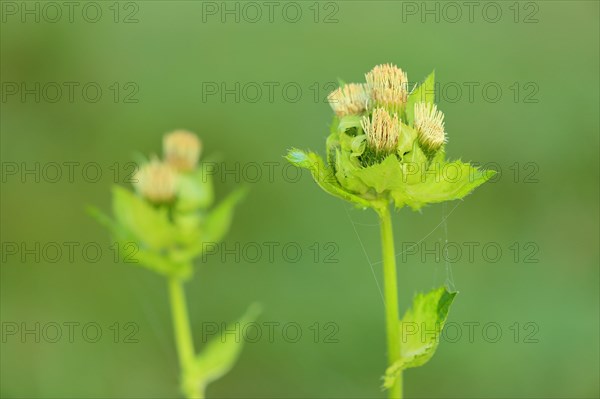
156	181
351	99
372	156
182	150
429	122
382	131
388	85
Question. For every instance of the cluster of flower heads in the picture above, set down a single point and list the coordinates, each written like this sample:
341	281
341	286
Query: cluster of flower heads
382	102
157	180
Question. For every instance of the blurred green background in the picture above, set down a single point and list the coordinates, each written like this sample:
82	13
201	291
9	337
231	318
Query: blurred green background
541	132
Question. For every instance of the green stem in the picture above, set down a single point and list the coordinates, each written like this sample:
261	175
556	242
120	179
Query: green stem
183	338
391	296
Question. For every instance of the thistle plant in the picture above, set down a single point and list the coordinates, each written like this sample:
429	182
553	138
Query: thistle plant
386	149
168	218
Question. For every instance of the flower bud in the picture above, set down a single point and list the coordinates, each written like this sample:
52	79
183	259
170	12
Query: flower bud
156	181
382	131
182	150
348	100
388	86
429	123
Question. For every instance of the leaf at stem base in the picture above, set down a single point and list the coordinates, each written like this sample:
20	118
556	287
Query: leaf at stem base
420	331
220	354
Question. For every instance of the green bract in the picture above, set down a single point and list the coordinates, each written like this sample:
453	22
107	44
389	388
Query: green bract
413	174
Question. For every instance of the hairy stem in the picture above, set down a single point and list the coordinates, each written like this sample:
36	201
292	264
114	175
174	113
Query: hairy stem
391	296
183	338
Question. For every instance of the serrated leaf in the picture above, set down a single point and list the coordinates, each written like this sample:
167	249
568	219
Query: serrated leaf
147	224
445	181
423	92
420	329
324	176
220	354
383	176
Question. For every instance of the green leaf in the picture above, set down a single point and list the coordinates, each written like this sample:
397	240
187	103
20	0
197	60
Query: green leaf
424	92
220	354
383	176
420	328
194	191
131	253
218	221
413	163
324	176
147	224
346	166
445	181
407	140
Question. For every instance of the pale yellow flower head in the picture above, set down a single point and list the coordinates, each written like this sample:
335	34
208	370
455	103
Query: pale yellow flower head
182	150
156	181
382	130
351	99
429	122
388	86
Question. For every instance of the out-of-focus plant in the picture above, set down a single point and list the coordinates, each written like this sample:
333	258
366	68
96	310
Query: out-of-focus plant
386	146
168	218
